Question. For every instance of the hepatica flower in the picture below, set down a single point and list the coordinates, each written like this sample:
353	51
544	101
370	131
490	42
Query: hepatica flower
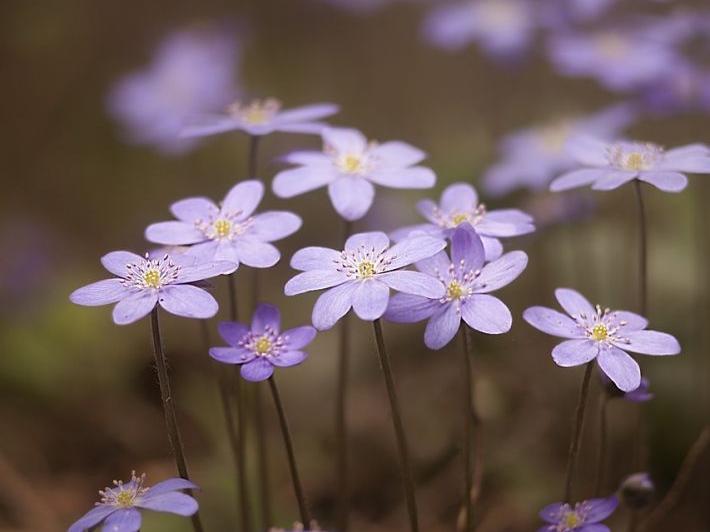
350	166
585	516
610	165
466	283
459	205
262	347
601	334
230	231
120	506
261	117
141	283
362	275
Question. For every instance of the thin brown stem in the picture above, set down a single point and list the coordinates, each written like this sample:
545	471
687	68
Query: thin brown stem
577	432
265	491
643	249
602	445
253	156
467	426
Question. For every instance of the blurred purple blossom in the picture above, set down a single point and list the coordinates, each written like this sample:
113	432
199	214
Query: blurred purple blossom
641	394
467	283
601	334
685	89
262	346
362	275
349	165
585	516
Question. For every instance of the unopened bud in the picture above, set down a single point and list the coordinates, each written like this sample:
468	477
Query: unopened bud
637	491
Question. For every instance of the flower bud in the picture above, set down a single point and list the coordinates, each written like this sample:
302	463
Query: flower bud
637	491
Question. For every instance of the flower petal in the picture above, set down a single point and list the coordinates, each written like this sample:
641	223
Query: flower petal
333	305
415	283
192	209
295	181
415	177
91	518
397	154
231	355
666	181
243	198
351	196
255	253
501	272
576	179
315	258
458	197
134	307
435	265
232	332
174	233
172	502
274	225
257	370
408	308
574	303
188	301
620	368
370	299
313	280
299	337
600	509
116	261
375	240
612	180
551	512
650	343
286	359
205	270
344	140
428	209
588	150
412	249
266	316
100	293
492	247
404	232
551	322
467	248
307	158
628	321
123	520
486	314
442	327
575	352
307	113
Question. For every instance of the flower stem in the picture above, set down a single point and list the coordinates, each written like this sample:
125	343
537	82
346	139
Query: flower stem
169	408
406	470
643	250
577	432
468	426
288	443
601	450
265	491
253	156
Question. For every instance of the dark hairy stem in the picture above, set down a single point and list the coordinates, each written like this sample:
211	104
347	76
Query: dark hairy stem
169	408
601	448
288	443
468	408
265	491
253	156
577	432
643	250
405	466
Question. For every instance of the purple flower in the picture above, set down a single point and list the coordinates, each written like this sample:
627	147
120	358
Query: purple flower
261	117
609	166
585	516
119	509
141	283
533	156
191	72
349	166
466	283
684	89
262	347
503	28
641	394
362	275
459	205
601	334
229	232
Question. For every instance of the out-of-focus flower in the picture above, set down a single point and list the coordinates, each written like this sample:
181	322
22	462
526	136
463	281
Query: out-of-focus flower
641	394
503	28
459	205
229	232
349	165
467	284
685	89
601	334
532	157
585	516
637	491
261	117
262	347
609	166
551	209
560	12
142	283
191	72
119	509
362	275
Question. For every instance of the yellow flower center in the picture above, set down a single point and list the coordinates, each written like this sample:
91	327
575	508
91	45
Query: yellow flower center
459	218
125	498
365	269
263	345
351	164
635	161
151	278
455	290
600	332
572	520
222	228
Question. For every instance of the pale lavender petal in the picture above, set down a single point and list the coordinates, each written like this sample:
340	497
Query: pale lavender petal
100	293
415	283
307	158
574	303
344	140
552	322
91	518
207	252
123	520
231	355
649	343
174	233
315	258
243	198
620	368
575	352
509	216
490	227
257	370
411	250
408	308
467	248
486	314
295	181
134	307
308	128
459	197
206	270
577	178
691	150
415	177
501	272
492	247
666	181
193	209
274	225
588	150
333	305
116	261
442	327
307	113
612	180
397	154
173	502
351	196
286	359
435	265
593	527
693	164
375	240
600	509
299	337
224	250
404	232
313	280
208	124
188	301
551	512
428	208
370	299
628	320
266	316
255	253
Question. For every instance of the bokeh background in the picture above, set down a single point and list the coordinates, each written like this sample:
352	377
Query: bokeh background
79	403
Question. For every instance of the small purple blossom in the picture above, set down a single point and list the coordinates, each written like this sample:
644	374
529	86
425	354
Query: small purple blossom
350	166
261	117
601	334
142	283
119	509
466	282
262	347
459	205
610	165
362	275
641	394
229	232
585	516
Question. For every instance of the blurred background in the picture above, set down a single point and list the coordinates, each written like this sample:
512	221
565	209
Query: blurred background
84	173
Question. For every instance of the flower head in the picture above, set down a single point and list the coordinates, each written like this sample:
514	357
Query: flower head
467	283
601	334
120	505
459	206
641	394
262	347
361	275
230	231
261	117
585	516
349	165
142	283
610	165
